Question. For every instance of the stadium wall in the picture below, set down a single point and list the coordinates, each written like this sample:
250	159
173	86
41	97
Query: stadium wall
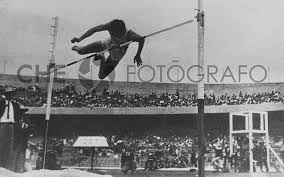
156	110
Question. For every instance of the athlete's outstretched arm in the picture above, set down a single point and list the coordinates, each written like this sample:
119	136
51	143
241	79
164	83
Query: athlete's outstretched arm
137	38
140	46
137	58
91	32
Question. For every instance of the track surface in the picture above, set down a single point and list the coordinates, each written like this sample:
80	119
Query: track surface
117	173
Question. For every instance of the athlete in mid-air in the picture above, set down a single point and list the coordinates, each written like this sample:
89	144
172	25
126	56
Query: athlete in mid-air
118	35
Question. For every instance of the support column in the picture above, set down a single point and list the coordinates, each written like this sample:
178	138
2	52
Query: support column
231	133
262	120
92	160
250	143
265	115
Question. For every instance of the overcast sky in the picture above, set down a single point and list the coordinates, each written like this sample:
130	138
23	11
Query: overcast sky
238	32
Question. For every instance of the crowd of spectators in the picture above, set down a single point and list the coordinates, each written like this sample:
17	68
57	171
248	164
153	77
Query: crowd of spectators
170	150
69	97
172	147
255	98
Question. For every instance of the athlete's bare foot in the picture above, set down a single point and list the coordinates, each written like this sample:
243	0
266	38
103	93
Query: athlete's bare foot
75	48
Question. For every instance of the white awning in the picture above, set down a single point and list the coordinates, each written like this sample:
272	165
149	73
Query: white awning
91	141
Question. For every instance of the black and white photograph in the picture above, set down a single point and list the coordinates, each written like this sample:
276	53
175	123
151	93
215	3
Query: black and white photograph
131	88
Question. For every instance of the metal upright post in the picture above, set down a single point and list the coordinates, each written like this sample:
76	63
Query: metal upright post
50	87
201	104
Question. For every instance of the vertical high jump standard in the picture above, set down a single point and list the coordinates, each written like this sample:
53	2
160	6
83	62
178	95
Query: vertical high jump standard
50	87
200	91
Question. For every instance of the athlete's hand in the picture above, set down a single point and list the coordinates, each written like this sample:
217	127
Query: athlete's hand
75	39
138	60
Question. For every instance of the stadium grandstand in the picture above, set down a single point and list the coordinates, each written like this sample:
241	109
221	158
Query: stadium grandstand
146	117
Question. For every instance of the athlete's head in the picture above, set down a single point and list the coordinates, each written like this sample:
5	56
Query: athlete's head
118	27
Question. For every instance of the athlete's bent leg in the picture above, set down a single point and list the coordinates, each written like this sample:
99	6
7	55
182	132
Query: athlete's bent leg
107	66
90	48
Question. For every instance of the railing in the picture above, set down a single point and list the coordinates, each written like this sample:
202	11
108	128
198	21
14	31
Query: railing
85	161
72	158
275	161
